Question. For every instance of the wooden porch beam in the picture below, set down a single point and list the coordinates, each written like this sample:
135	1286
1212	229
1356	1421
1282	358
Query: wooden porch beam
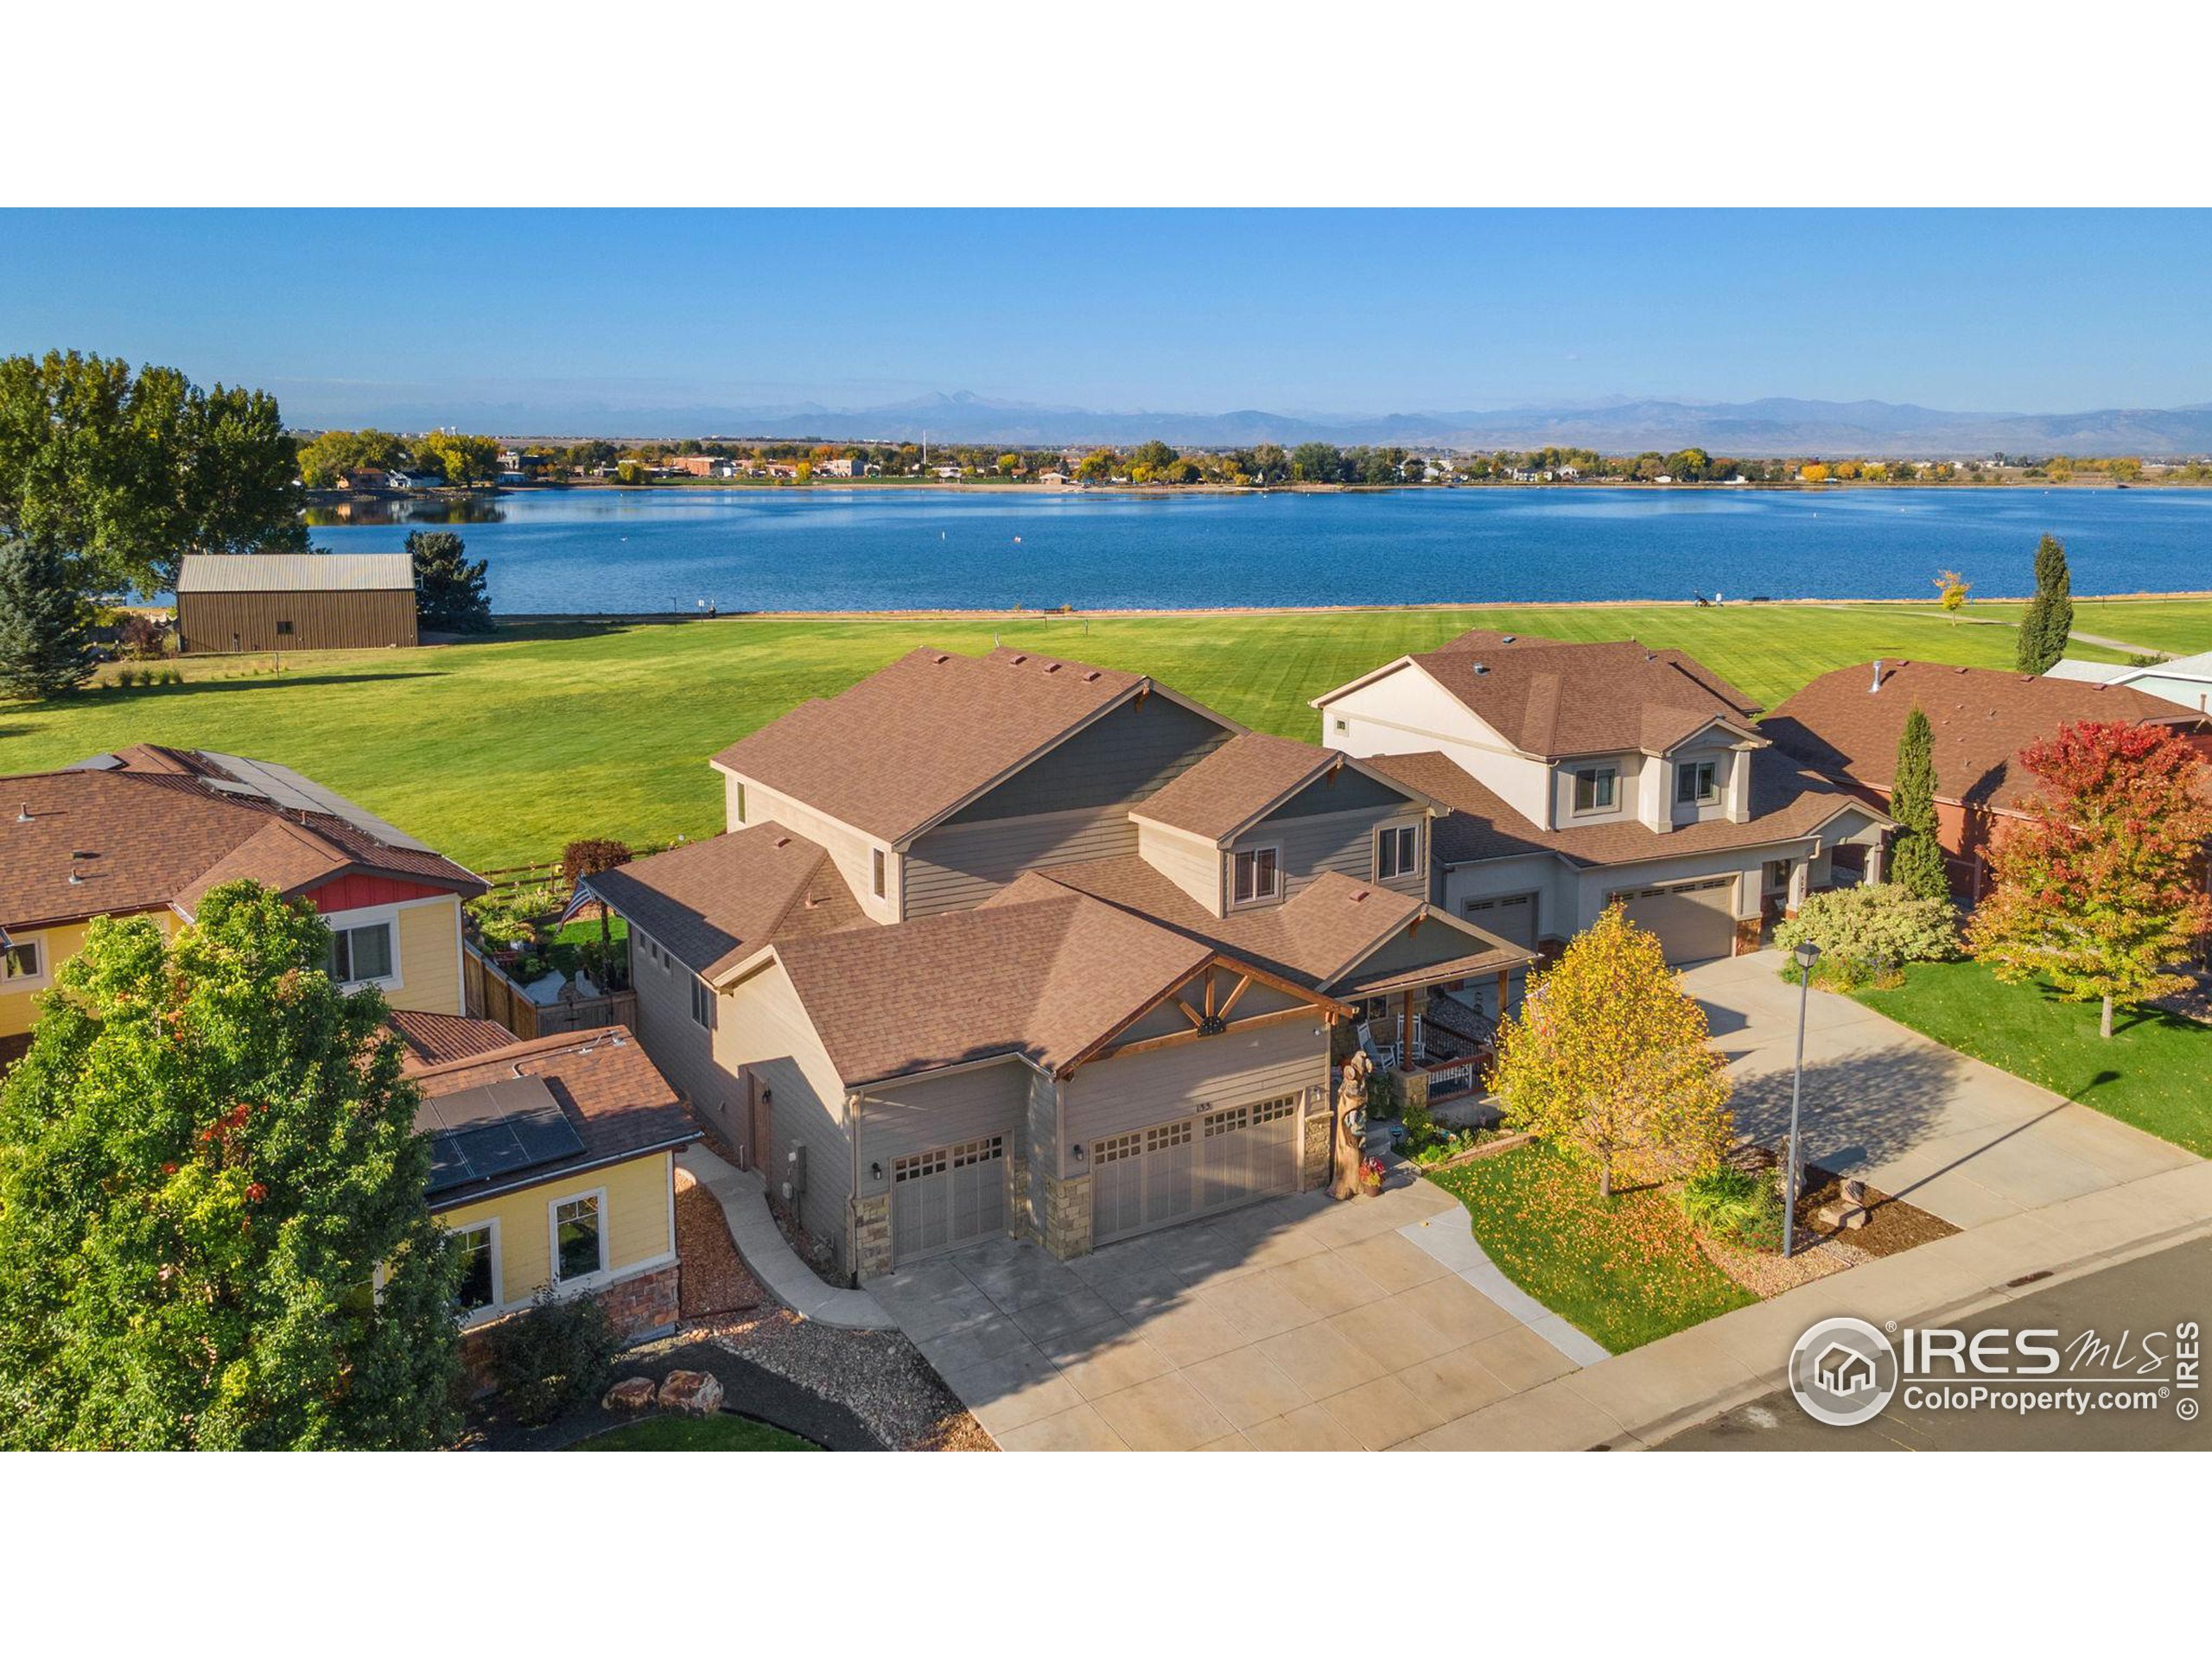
1146	1044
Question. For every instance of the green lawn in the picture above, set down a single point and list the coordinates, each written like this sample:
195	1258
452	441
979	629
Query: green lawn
1625	1272
2155	1072
499	753
2181	625
720	1432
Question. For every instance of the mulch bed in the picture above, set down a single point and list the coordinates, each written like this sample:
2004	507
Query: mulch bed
1892	1225
714	1279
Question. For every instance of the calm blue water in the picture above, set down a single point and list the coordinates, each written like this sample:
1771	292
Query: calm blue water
829	549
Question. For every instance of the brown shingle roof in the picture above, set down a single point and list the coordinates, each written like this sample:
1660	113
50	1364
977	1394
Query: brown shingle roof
1237	783
615	1098
1557	698
1982	718
1318	937
435	1039
162	826
917	738
1041	972
713	903
1787	802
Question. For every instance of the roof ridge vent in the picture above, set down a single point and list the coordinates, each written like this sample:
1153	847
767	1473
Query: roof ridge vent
942	657
1482	667
1052	668
783	841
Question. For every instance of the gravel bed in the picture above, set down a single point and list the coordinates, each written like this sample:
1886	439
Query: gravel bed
714	1280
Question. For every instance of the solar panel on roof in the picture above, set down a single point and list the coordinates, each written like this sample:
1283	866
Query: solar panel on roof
495	1129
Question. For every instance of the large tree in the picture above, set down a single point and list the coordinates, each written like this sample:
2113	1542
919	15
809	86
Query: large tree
1916	852
1609	1057
45	635
449	595
2049	619
326	455
2101	889
213	1227
124	473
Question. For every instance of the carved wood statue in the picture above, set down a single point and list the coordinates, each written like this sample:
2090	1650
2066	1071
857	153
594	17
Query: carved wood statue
1351	1126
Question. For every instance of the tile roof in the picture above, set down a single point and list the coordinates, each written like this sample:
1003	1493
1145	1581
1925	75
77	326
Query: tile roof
435	1039
146	828
610	1093
294	573
1041	972
1237	783
918	737
716	902
1787	802
1982	718
1556	698
1318	937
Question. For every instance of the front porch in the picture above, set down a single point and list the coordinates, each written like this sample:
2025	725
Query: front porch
1434	1037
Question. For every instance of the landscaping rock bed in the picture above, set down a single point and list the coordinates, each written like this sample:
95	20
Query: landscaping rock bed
877	1376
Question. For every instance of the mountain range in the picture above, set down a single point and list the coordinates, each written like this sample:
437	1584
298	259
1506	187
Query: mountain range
1767	427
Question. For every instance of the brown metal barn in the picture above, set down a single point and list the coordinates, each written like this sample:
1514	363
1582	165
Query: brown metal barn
297	601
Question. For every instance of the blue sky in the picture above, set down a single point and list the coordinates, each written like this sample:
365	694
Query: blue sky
375	316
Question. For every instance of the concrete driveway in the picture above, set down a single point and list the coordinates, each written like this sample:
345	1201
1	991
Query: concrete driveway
1962	1140
1295	1325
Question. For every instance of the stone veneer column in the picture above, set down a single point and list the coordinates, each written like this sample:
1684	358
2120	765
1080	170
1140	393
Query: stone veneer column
1320	1142
871	1225
1066	1221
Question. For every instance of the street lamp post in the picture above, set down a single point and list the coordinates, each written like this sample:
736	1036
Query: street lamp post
1806	955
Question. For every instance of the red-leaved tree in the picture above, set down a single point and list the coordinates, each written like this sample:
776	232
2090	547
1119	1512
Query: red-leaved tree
2101	889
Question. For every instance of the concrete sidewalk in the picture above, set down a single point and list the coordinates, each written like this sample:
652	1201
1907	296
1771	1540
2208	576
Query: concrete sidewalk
760	1242
1638	1398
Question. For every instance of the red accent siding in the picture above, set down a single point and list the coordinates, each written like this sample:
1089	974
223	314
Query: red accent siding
360	892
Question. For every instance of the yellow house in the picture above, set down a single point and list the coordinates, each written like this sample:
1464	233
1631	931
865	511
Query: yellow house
554	1165
147	830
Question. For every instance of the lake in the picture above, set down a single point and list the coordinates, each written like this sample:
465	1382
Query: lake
819	549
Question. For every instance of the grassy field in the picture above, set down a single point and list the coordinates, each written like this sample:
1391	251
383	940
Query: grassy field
1625	1272
720	1432
2181	625
2155	1072
499	753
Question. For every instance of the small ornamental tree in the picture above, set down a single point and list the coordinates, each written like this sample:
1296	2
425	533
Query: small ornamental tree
213	1227
1609	1057
449	593
1954	588
1916	861
2100	890
2048	620
44	623
587	857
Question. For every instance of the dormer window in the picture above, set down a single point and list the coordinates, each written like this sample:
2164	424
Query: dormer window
877	873
1697	782
1596	788
1259	874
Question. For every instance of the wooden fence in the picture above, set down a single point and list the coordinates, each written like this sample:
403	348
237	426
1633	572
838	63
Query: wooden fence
490	994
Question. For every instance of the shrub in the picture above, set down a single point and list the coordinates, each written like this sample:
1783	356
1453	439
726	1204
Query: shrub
142	636
1865	932
1734	1206
555	1358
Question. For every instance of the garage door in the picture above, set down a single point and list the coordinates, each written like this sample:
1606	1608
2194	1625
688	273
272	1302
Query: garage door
1512	919
947	1197
1694	920
1156	1177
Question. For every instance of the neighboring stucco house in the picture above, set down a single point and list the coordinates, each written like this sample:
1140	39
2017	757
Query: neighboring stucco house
1012	944
2184	680
1847	724
1576	773
553	1164
147	830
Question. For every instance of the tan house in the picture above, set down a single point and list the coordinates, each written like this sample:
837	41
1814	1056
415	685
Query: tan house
1845	726
147	830
294	601
1014	944
1575	774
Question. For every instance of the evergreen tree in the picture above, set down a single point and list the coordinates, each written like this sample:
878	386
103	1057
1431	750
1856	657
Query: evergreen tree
205	1157
2050	618
1916	853
449	595
44	645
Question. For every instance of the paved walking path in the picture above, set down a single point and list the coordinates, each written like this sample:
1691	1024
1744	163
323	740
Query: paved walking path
760	1242
1451	1241
2086	638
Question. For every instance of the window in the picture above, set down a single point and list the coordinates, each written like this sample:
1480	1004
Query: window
878	871
1394	854
1258	874
703	1004
1594	788
740	804
25	959
360	954
579	1250
1777	874
480	1272
1697	782
284	627
1343	726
